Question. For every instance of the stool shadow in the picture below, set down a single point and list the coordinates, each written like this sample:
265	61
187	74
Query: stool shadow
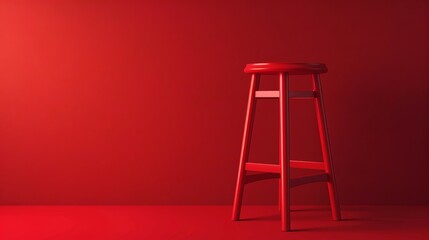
276	217
310	209
263	218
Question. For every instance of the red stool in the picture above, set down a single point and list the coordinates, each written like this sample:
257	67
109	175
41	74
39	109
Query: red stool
281	170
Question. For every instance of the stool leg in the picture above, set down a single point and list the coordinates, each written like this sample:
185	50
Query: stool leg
284	150
280	195
326	149
245	147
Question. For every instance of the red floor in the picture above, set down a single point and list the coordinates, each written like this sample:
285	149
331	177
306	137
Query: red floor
210	222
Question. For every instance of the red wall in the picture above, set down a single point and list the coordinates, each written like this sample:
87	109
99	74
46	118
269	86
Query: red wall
144	103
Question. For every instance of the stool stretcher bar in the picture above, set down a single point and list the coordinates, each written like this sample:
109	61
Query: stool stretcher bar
292	94
275	168
307	165
262	167
294	182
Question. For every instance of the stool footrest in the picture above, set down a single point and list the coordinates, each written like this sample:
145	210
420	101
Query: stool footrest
266	94
275	168
307	164
294	182
262	167
292	94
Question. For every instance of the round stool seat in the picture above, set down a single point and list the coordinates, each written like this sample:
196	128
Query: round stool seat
291	68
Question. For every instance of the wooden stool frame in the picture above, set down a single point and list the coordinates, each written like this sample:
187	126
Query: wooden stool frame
282	169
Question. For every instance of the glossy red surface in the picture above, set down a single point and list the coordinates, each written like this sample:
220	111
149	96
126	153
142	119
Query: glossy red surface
209	222
291	68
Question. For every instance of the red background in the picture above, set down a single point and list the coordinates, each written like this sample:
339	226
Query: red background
121	102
